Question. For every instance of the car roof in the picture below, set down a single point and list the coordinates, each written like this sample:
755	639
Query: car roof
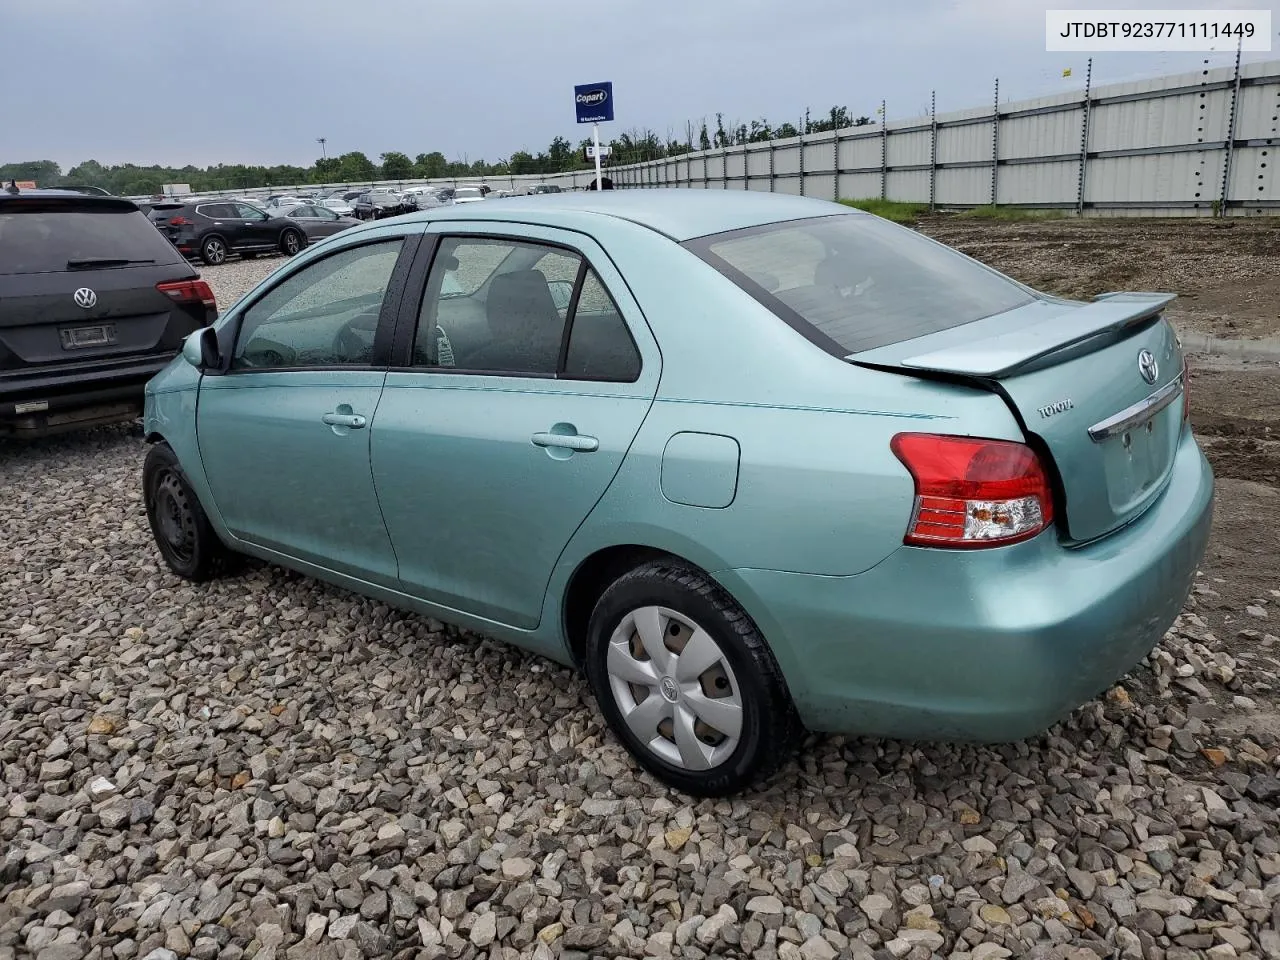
67	199
680	214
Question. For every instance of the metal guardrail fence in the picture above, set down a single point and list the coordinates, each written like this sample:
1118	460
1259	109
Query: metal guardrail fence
1186	144
1192	144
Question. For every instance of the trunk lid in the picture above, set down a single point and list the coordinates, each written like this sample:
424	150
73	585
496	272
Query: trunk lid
1097	385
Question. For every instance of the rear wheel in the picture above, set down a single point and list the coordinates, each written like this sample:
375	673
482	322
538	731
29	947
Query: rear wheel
687	682
187	541
213	251
290	242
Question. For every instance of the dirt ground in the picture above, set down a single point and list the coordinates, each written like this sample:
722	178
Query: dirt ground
1227	277
1226	272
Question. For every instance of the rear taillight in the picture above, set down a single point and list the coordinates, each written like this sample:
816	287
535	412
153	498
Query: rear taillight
180	222
973	493
188	291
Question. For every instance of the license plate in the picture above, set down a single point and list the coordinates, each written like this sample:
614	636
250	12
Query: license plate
99	335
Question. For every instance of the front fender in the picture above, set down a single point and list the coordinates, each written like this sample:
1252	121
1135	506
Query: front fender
169	416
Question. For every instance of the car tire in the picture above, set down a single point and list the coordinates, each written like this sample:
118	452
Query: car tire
186	539
291	242
213	251
711	733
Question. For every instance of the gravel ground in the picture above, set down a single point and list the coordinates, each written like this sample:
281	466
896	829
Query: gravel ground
268	767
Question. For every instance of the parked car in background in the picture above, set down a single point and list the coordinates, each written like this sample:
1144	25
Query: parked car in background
540	188
338	206
911	497
468	195
278	204
92	190
93	303
378	203
318	221
213	229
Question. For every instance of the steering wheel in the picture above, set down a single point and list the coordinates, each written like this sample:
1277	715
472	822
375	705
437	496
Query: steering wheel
349	344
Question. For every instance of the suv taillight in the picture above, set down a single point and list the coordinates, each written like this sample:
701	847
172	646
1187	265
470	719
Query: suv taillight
188	291
180	222
973	493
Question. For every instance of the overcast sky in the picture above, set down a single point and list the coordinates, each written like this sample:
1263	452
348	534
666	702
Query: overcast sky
257	81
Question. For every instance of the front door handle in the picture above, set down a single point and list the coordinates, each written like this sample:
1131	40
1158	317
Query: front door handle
352	420
568	441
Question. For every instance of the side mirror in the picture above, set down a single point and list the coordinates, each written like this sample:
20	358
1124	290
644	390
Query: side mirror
561	293
200	349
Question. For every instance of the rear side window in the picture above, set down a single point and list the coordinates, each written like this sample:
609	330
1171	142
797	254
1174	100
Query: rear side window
854	282
43	240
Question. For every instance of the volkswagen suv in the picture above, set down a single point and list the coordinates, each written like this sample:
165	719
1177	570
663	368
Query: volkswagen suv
93	302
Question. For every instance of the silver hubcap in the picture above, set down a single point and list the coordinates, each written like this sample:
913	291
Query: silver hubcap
675	688
215	250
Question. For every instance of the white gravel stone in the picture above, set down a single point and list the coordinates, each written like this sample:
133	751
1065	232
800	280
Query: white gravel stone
264	758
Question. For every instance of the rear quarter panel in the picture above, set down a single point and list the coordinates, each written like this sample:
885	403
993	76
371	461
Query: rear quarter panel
818	489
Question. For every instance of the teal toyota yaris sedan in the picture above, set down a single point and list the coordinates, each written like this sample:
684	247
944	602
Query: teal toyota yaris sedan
755	463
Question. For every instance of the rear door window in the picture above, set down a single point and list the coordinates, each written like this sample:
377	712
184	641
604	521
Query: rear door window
854	282
43	240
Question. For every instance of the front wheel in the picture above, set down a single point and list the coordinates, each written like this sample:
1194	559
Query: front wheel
213	251
187	541
687	682
290	242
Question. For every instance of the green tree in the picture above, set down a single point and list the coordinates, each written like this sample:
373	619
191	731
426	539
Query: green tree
396	166
45	173
704	140
721	138
355	167
430	165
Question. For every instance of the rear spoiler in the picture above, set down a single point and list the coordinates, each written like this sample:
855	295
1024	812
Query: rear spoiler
999	356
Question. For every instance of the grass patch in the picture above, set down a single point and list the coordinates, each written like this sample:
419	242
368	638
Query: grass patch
901	212
1009	213
894	210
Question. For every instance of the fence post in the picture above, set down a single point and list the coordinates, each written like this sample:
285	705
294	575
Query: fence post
724	168
835	165
995	142
772	188
1231	134
884	152
933	148
706	176
1084	136
802	136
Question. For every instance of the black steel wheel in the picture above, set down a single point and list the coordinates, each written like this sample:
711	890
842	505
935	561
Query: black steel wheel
187	541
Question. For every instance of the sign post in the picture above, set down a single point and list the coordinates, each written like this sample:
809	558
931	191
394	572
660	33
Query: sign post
593	104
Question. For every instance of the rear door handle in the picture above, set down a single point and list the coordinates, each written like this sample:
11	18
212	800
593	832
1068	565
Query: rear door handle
573	441
352	420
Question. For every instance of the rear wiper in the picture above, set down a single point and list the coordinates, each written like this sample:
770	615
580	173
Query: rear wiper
102	262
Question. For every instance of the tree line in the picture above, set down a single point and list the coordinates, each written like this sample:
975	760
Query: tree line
561	156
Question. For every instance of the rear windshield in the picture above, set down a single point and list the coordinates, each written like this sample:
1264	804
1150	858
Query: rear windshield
44	241
858	281
468	192
160	211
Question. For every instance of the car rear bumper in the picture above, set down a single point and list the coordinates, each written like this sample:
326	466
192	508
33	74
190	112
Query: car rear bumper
986	645
39	402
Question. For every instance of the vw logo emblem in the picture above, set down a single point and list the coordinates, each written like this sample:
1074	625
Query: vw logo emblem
86	298
1147	366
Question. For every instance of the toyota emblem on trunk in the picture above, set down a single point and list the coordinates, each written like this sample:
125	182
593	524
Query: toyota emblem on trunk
86	298
1147	366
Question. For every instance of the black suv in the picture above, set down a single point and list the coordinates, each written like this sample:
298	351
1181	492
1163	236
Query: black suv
212	229
93	303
